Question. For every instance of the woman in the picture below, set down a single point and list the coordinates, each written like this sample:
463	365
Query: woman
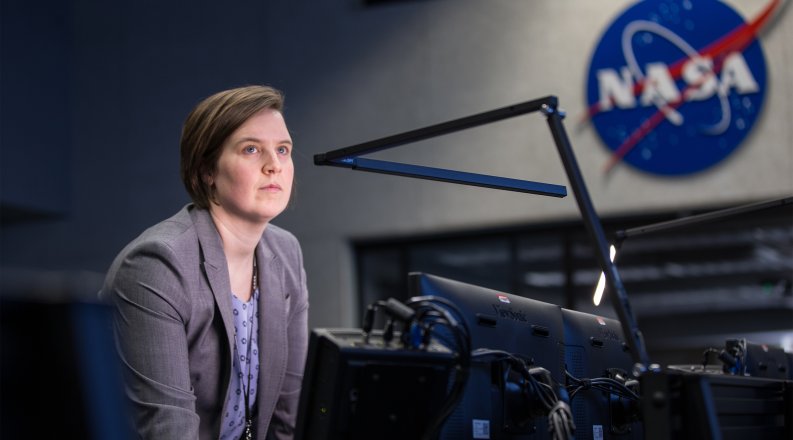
211	304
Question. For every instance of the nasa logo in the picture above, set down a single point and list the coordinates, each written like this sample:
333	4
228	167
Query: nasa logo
675	86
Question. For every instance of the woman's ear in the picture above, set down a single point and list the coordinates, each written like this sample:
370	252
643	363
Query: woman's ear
209	181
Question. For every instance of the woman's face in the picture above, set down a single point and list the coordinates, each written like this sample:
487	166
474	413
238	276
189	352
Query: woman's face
253	178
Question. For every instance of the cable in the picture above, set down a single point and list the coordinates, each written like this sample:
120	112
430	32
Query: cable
539	384
560	421
368	319
431	311
605	384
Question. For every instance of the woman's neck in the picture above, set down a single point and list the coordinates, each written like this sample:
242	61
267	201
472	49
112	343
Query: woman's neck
239	237
239	240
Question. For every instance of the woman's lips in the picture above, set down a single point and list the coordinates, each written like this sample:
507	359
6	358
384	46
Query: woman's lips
273	187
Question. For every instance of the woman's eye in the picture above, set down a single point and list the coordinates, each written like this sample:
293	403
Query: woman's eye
251	149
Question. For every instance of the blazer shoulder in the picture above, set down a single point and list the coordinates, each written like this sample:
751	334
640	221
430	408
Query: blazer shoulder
176	234
168	239
160	253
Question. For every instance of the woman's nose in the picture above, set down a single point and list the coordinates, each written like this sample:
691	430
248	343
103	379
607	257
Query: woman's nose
272	164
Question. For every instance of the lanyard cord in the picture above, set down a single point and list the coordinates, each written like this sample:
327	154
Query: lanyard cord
247	433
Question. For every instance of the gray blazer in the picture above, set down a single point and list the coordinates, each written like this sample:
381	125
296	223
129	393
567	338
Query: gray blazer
174	328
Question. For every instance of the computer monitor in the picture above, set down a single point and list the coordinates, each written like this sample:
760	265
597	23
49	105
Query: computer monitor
595	348
757	360
361	388
500	321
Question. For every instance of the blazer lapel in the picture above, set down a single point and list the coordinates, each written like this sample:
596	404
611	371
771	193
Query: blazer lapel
216	270
272	331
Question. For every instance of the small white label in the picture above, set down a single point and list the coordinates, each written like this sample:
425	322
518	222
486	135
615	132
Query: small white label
597	432
481	428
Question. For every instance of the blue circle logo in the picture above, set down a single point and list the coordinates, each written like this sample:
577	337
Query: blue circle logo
675	86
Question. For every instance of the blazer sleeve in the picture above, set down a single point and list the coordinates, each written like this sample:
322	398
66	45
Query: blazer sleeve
148	290
282	425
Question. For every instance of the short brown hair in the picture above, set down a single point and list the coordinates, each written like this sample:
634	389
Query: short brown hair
208	127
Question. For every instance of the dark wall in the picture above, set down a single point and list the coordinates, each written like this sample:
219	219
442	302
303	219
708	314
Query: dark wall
93	97
34	110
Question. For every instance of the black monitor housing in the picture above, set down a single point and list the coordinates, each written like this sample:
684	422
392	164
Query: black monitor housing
359	388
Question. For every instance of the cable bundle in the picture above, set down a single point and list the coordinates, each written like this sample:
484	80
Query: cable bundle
539	386
606	384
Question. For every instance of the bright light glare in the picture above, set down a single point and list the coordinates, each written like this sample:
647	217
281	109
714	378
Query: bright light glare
602	281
